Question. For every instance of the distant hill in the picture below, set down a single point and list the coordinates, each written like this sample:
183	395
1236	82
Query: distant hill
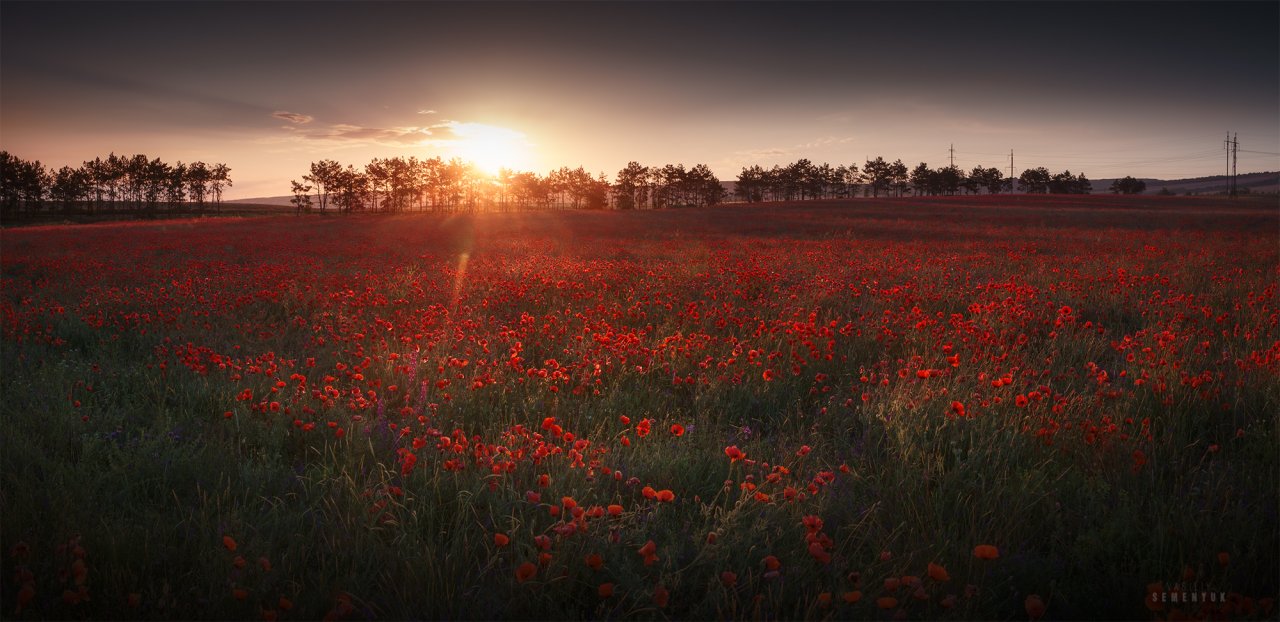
267	201
1252	182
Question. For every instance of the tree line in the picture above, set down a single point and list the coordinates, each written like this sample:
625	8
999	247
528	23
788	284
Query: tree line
803	179
434	184
138	184
129	184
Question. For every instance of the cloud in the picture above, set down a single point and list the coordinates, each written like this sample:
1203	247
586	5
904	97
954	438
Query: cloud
425	111
293	117
345	132
800	149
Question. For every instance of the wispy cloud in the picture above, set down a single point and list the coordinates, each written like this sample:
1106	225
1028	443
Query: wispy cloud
800	150
426	111
293	117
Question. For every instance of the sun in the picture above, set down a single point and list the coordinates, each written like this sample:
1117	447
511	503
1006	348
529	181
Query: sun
491	148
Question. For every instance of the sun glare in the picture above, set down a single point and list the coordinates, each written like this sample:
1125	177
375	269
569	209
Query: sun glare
491	148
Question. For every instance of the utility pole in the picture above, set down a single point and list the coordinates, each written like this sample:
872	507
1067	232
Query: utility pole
953	155
1235	181
1231	144
1010	171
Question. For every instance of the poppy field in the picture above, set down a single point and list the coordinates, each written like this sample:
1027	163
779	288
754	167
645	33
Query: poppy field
955	408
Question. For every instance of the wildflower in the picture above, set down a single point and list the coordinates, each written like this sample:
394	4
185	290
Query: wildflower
25	596
1035	606
986	551
772	563
229	542
886	602
660	596
734	453
501	539
526	571
938	573
728	578
593	561
666	496
649	552
677	429
852	597
615	510
605	590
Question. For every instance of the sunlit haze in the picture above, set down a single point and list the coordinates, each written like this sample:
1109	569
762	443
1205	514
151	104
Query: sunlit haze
1108	89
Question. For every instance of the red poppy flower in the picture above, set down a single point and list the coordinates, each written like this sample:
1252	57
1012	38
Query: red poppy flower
526	571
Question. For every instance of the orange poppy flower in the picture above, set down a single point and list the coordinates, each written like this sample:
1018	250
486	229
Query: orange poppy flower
649	552
824	599
264	564
25	595
238	562
1035	606
615	510
852	597
229	542
593	561
986	551
772	563
660	596
677	429
240	593
501	539
728	578
711	537
938	573
666	496
892	584
526	571
886	602
734	453
285	604
605	590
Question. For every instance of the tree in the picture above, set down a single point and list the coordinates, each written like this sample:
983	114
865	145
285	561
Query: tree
994	181
1066	183
1128	185
219	177
631	189
950	179
898	177
923	179
198	176
878	174
1035	180
69	186
705	188
751	184
323	175
301	196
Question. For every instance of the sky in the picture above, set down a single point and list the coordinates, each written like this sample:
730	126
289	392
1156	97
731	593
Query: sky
1148	89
